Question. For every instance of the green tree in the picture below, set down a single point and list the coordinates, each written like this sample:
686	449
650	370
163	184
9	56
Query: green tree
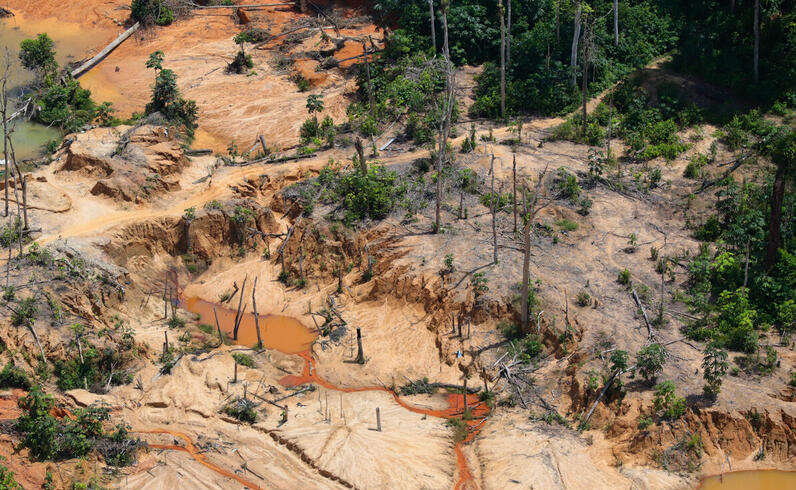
314	103
166	97
650	361
714	366
666	401
38	55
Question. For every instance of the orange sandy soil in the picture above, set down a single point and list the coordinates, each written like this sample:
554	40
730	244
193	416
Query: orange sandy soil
198	48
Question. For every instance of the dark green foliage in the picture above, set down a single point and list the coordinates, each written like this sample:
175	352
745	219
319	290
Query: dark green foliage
417	387
25	312
149	12
714	366
718	44
619	359
240	63
372	195
667	404
166	97
13	377
243	359
567	185
38	54
404	85
48	438
66	105
97	366
242	409
730	314
650	361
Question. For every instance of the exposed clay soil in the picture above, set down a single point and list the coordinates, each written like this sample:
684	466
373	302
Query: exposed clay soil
88	203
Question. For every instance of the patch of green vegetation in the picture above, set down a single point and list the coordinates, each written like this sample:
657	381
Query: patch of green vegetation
51	439
417	387
372	195
149	12
243	359
13	377
667	404
567	225
7	481
166	98
98	367
242	409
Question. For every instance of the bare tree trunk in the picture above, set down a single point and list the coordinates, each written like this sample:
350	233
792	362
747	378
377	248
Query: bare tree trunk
502	13
529	216
433	28
573	62
445	124
610	130
558	23
757	41
238	312
775	221
256	316
526	260
360	354
363	166
616	22
4	109
494	213
24	180
508	35
514	189
371	102
587	45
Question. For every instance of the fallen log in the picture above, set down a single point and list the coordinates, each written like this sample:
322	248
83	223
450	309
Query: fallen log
201	151
253	6
4	12
105	52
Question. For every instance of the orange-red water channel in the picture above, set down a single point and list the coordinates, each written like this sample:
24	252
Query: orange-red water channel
290	336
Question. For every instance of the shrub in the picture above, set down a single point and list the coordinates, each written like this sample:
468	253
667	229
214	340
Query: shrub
149	12
644	422
242	409
13	377
624	277
583	299
650	361
26	311
667	404
567	185
619	360
7	481
372	195
243	359
714	366
166	97
567	225
38	54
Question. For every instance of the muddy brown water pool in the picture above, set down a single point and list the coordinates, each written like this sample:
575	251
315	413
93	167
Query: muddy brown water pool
278	332
751	480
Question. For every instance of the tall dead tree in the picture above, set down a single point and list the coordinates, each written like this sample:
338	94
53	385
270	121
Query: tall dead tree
444	127
238	314
363	165
514	189
573	60
616	22
757	41
433	27
4	114
256	315
529	215
494	213
588	49
502	14
508	34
